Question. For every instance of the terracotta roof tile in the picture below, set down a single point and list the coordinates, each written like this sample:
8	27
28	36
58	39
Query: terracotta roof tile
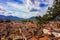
44	38
33	38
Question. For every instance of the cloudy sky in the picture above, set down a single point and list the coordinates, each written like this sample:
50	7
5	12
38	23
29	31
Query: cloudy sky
24	8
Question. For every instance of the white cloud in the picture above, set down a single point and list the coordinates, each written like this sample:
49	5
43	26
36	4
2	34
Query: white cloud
21	7
4	11
23	11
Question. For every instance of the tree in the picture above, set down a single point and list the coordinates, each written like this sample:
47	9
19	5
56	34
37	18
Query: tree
39	19
55	10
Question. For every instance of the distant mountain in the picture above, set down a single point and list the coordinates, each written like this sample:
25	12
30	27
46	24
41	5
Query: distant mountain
2	17
32	18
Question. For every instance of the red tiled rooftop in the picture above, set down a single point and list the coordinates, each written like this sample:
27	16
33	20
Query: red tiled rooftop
33	38
44	38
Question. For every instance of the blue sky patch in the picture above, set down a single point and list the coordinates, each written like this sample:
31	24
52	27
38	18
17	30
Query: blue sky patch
17	1
43	5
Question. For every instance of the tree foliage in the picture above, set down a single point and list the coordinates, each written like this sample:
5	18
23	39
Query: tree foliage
52	13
